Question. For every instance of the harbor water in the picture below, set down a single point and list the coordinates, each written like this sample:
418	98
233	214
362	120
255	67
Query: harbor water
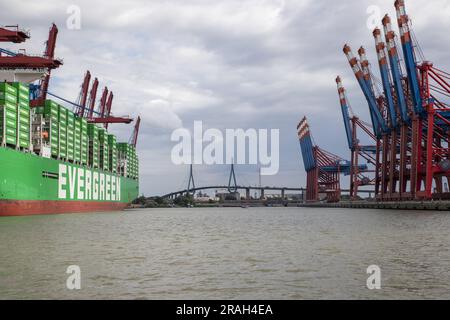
221	253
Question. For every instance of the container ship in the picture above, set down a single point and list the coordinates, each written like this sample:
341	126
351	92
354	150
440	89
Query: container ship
57	159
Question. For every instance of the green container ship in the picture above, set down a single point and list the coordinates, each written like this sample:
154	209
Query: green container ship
54	160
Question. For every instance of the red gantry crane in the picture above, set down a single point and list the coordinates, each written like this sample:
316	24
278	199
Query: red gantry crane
410	118
353	127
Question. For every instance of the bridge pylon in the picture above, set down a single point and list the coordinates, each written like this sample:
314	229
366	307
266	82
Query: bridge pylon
191	183
232	184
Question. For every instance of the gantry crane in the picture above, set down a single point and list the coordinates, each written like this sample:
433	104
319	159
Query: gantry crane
410	118
353	127
323	168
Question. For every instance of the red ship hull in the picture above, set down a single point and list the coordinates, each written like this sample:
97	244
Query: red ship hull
41	207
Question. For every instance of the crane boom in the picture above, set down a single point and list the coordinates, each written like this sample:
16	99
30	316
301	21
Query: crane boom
92	97
51	63
364	63
385	76
108	107
15	35
84	94
378	123
103	102
106	120
135	135
306	145
49	54
345	113
410	60
395	68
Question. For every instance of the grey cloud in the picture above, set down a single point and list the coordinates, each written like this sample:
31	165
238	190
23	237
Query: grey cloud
249	64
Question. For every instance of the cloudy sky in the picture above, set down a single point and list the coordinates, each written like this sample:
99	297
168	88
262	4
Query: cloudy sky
230	63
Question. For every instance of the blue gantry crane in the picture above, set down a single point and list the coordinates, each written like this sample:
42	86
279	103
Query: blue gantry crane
323	168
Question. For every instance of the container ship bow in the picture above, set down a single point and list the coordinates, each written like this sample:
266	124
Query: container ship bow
53	158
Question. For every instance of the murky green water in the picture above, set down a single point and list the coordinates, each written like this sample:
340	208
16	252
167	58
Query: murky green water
260	253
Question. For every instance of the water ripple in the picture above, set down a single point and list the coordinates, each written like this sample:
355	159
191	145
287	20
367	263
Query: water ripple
261	253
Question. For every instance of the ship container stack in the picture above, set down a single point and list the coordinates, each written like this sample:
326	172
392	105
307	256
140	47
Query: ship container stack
84	141
70	135
77	140
134	163
23	115
62	132
51	112
112	143
8	114
93	133
128	164
123	161
70	138
104	149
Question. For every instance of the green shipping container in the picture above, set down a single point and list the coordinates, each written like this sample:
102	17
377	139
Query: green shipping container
51	107
8	94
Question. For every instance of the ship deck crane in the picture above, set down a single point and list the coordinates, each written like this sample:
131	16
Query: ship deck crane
13	34
92	97
108	108
82	98
23	68
102	116
103	102
20	66
135	135
48	54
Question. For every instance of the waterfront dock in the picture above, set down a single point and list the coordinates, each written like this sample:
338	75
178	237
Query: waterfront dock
392	205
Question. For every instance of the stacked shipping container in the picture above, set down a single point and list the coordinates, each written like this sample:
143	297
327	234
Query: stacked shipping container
84	141
51	111
62	113
23	114
69	137
8	111
104	149
128	162
15	114
94	154
112	142
77	140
